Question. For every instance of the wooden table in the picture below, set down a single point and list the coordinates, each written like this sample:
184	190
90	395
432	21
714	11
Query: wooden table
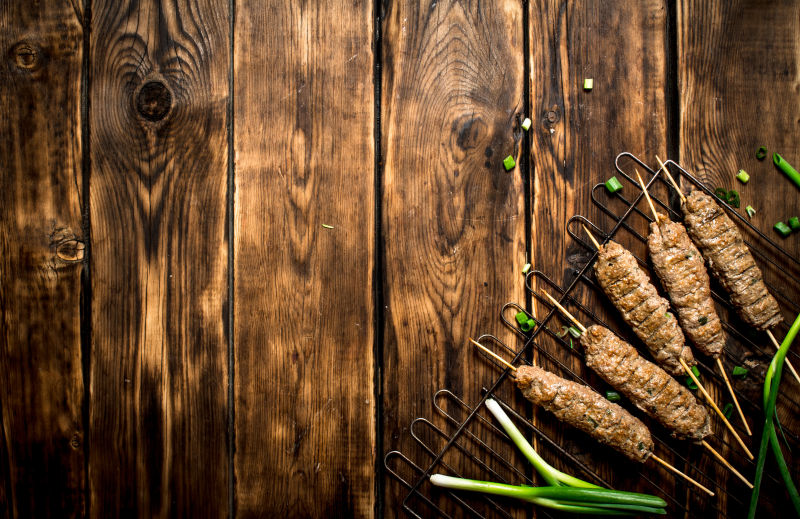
244	243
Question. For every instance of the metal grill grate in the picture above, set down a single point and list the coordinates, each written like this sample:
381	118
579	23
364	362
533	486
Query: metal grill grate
467	443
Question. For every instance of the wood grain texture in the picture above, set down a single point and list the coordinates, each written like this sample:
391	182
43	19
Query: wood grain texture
159	375
304	333
453	220
42	260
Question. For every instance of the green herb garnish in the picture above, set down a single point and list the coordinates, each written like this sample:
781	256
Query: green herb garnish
739	371
526	124
794	223
613	185
727	411
782	229
787	169
750	211
509	163
613	396
742	176
588	83
761	153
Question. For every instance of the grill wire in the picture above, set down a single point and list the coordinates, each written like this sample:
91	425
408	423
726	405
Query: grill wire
464	440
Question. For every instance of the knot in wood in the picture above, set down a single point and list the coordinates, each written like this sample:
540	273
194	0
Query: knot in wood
153	101
27	56
71	250
552	116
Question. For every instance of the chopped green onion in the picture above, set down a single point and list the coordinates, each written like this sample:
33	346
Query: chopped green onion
787	169
783	229
327	226
526	268
696	372
613	396
613	185
742	176
733	198
794	223
761	153
727	411
739	371
571	346
750	211
528	325
526	124
564	331
689	382
509	163
521	317
574	332
703	320
588	83
722	193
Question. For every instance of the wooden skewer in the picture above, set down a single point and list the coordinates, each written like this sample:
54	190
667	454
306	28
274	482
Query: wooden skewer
778	346
733	395
647	195
676	471
493	354
716	409
675	184
571	317
725	462
591	237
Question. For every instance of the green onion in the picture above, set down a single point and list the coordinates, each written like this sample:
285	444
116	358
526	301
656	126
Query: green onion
722	193
526	268
613	396
733	198
526	124
509	163
794	223
521	317
787	169
750	211
727	410
571	346
783	229
528	325
613	185
739	371
742	176
588	83
689	382
761	153
327	226
564	331
574	332
771	383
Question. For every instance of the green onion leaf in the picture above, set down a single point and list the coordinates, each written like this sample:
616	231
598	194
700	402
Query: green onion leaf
689	382
733	198
571	346
696	372
526	124
794	223
787	169
588	83
528	325
325	225
740	372
761	153
782	229
574	332
613	396
509	163
526	268
613	185
742	176
564	331
727	411
750	211
521	317
722	193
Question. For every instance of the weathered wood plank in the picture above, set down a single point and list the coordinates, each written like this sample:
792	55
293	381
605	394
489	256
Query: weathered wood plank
453	219
304	333
159	414
42	245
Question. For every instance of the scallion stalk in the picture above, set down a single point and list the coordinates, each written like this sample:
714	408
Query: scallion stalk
786	168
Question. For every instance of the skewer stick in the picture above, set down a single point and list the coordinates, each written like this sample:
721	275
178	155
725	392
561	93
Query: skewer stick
778	346
680	193
591	237
493	354
647	195
678	472
571	317
725	462
716	409
733	395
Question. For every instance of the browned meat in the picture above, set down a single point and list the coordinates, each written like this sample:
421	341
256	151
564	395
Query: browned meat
584	409
730	260
646	385
680	267
629	288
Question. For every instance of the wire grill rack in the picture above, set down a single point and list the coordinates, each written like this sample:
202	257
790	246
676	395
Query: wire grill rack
463	440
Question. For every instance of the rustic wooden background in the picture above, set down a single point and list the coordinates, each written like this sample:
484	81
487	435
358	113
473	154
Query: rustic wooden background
181	335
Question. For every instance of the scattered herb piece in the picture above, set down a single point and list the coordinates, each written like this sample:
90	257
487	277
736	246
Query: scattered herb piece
750	211
613	185
740	372
526	268
761	153
570	344
528	325
509	163
564	331
689	382
733	198
787	169
794	223
703	320
521	317
783	229
588	83
728	410
327	226
526	124
722	193
696	372
574	332
613	396
742	176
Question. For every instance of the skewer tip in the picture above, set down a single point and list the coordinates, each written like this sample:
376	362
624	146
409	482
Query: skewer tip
565	312
683	475
493	354
591	236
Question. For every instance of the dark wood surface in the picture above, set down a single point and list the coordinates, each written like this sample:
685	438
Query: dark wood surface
244	244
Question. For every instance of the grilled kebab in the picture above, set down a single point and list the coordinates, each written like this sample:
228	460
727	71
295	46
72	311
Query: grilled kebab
629	288
584	409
